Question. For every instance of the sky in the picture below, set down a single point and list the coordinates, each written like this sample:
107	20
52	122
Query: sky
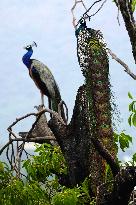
49	24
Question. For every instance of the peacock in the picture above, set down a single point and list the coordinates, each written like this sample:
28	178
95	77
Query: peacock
94	63
43	79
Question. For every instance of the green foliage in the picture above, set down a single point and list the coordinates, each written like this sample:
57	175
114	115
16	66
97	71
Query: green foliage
41	187
76	196
5	174
123	140
49	161
129	95
108	174
67	197
132	162
16	192
132	110
133	5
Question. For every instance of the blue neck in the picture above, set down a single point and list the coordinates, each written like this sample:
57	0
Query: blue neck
26	58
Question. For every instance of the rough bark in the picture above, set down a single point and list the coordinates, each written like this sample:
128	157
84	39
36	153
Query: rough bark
74	140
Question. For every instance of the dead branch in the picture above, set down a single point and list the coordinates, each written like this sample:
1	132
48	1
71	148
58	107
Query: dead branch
31	136
11	132
89	16
118	13
72	11
27	136
27	154
127	69
36	140
55	114
85	15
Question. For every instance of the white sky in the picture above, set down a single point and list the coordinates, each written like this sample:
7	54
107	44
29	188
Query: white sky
49	23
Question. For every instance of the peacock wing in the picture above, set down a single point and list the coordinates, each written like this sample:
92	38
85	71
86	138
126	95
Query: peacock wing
46	77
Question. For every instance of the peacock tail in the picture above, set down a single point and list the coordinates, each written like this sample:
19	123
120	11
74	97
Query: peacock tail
94	63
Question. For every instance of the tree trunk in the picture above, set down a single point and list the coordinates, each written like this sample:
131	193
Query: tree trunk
125	8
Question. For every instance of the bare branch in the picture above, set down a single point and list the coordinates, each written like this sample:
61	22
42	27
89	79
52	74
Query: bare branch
11	132
127	69
4	147
89	16
118	13
31	136
36	139
72	10
38	114
21	118
27	154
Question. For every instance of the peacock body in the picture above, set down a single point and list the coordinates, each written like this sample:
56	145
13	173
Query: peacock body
43	78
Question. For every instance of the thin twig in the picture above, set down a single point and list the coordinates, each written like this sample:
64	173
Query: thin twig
11	132
85	15
4	147
21	118
118	5
36	139
89	16
127	69
36	115
55	114
27	154
72	10
27	136
12	154
8	156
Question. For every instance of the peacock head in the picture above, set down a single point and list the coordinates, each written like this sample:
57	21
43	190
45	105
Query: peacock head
29	47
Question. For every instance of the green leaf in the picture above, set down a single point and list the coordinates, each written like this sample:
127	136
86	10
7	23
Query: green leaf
134	119
130	119
124	141
116	137
26	163
131	106
133	5
134	159
130	96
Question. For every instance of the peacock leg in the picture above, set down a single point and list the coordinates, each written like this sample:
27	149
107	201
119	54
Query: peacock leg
42	99
50	105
